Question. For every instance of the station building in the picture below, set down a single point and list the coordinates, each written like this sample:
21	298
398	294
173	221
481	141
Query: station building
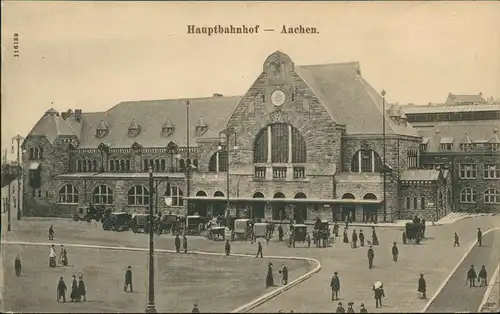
302	142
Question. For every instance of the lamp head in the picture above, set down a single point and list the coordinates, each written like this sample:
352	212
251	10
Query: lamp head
235	147
178	156
219	147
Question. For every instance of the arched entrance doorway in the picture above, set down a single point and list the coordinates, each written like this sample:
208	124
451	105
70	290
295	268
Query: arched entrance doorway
347	210
258	208
200	206
279	208
219	208
370	210
300	210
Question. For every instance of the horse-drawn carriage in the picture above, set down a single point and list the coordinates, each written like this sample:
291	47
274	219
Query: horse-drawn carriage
242	229
261	230
192	224
140	223
87	213
413	232
216	232
170	223
298	233
117	221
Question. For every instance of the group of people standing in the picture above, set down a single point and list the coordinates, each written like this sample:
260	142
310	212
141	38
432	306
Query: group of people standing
78	291
283	271
63	257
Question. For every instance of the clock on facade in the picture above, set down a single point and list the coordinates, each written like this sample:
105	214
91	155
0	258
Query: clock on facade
278	98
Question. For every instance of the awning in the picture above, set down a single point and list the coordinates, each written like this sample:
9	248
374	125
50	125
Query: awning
284	200
34	165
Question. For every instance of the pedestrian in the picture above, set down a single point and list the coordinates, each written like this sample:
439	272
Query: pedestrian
379	294
395	252
52	256
479	237
362	309
336	229
471	276
354	242
284	275
335	285
308	239
361	238
128	280
227	248
61	290
195	308
346	238
374	237
51	232
259	250
185	243
18	265
482	277
177	242
340	308
63	257
350	309
270	276
82	292
422	287
371	256
457	241
280	233
74	290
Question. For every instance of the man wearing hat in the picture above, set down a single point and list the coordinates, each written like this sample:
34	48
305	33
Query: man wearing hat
422	287
350	309
128	280
361	238
195	309
259	250
479	237
395	252
177	242
82	292
471	276
363	309
354	242
61	290
482	277
227	248
335	285
371	256
18	265
340	308
284	275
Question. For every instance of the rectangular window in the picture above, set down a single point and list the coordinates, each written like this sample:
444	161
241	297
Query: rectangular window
279	172
491	171
446	147
468	171
423	147
260	172
422	203
408	203
299	172
415	203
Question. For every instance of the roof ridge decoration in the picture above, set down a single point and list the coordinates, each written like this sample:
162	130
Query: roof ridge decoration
201	127
134	129
466	139
102	129
167	128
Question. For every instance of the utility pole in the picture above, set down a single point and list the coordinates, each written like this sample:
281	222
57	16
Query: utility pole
188	160
151	308
384	153
18	138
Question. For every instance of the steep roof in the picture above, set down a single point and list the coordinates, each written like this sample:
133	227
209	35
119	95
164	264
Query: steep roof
51	125
420	175
450	108
349	99
151	115
458	99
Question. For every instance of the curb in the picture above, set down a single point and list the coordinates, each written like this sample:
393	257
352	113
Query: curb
491	284
454	270
242	309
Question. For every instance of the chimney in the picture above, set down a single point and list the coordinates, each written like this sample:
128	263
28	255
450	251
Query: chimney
78	114
218	95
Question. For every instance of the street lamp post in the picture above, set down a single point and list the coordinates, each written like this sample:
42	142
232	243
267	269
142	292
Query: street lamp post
18	139
151	308
227	132
384	161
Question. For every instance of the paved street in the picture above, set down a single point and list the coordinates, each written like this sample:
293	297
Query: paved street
456	296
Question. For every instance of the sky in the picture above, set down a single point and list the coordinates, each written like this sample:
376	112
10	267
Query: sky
92	55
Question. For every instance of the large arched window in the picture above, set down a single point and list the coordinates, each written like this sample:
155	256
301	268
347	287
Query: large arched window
366	160
138	195
103	195
68	194
287	145
218	162
468	195
491	196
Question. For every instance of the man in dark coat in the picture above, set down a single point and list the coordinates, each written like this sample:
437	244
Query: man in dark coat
308	239
354	243
335	285
51	232
82	292
374	237
395	252
270	276
61	290
280	233
284	275
336	229
361	238
471	276
185	243
259	250
18	265
128	280
74	290
228	248
363	308
195	309
457	241
350	309
371	256
479	237
177	242
379	293
482	277
340	308
422	287
346	237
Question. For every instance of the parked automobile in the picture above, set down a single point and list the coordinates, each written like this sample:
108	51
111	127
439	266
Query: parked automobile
119	221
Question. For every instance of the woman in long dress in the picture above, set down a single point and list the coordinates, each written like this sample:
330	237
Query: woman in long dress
74	290
270	277
346	237
52	256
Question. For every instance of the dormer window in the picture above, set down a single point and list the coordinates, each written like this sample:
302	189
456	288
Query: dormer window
35	153
446	144
102	129
495	147
167	128
465	147
201	128
423	147
134	129
394	113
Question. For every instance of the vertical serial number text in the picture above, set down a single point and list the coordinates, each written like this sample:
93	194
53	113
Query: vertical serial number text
16	45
